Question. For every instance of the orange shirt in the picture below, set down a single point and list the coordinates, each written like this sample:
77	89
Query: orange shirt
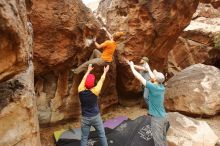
108	50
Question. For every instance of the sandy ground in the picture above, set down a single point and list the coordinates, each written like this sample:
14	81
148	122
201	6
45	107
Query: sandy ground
131	112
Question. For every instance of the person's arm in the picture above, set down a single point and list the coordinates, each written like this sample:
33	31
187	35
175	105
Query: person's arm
135	66
136	74
97	89
82	84
147	67
99	46
108	33
139	67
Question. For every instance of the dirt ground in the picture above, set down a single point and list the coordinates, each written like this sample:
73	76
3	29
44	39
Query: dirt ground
131	112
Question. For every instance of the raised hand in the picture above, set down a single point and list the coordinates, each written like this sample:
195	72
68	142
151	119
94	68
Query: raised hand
146	65
126	60
106	68
131	63
90	68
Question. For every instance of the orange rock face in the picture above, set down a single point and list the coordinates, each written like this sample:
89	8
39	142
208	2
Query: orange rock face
15	38
18	111
62	32
152	28
197	42
187	52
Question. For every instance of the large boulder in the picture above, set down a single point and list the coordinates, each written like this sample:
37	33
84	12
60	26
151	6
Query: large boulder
152	28
197	43
15	38
63	32
194	91
207	11
187	52
215	3
186	131
18	111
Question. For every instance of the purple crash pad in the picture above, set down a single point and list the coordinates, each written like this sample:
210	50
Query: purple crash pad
112	123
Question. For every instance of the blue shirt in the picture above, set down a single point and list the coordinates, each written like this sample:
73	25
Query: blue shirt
89	103
156	99
89	97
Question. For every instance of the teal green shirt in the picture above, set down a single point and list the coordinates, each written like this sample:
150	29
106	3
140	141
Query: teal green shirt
156	99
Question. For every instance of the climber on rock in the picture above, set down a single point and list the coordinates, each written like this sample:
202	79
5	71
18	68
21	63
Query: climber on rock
103	58
145	74
89	94
159	122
